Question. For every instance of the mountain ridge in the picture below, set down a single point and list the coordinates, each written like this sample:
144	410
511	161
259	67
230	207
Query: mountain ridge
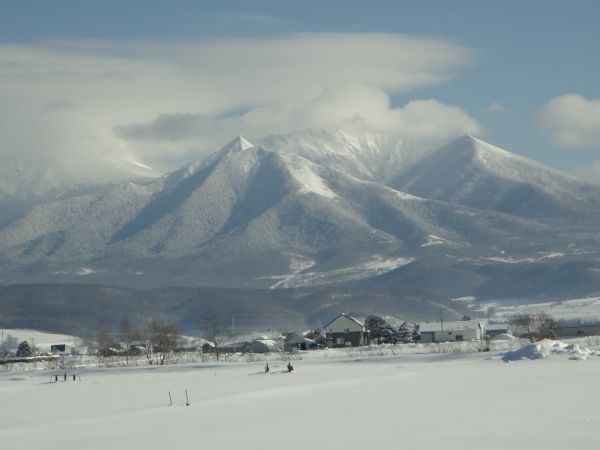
256	217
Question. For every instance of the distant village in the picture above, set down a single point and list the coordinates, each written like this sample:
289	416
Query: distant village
160	343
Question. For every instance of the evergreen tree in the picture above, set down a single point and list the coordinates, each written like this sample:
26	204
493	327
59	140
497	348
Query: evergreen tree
381	331
24	350
405	334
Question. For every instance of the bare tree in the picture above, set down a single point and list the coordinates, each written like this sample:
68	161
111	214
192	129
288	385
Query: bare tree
148	347
128	335
164	339
212	331
535	326
103	338
283	343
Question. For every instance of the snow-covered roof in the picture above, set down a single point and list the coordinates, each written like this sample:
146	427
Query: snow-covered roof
460	325
497	326
267	342
300	339
348	316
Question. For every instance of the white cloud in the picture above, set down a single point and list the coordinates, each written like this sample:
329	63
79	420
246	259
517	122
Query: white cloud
351	106
571	121
495	107
590	173
164	103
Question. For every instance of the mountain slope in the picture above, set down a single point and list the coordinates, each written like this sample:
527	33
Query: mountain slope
39	178
368	156
470	172
267	218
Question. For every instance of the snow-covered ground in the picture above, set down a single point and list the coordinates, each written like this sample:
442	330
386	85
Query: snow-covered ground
40	339
332	400
587	309
377	265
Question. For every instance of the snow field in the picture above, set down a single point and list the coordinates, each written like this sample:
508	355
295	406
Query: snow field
40	339
437	401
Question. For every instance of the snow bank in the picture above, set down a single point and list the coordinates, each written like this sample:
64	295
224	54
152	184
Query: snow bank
544	348
531	351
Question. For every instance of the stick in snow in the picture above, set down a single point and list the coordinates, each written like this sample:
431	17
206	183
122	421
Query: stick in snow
187	402
170	399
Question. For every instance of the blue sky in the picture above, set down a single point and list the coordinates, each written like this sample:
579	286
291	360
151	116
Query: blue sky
521	56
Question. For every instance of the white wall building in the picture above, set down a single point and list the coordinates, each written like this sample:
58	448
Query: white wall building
462	330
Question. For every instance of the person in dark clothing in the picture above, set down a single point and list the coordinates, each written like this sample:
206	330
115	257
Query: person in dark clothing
290	368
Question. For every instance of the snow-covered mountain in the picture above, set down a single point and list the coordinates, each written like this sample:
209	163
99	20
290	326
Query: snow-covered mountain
470	172
40	178
294	221
369	156
320	208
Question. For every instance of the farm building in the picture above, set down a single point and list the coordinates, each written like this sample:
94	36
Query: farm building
262	346
577	330
59	348
494	329
300	343
346	331
463	330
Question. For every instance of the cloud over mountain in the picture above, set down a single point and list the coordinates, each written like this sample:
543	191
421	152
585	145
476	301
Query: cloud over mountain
161	103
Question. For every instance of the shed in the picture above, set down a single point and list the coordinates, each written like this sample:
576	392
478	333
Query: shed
574	330
262	346
59	348
300	343
494	329
208	347
462	330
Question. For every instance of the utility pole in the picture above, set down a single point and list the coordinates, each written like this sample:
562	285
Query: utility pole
442	323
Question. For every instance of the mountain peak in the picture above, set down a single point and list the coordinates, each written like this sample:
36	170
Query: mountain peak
475	147
238	144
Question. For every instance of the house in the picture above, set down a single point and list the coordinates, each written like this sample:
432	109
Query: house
79	351
262	346
462	330
235	347
578	330
208	347
59	348
300	343
494	329
346	331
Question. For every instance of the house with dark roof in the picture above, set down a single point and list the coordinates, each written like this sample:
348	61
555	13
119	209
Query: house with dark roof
346	331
